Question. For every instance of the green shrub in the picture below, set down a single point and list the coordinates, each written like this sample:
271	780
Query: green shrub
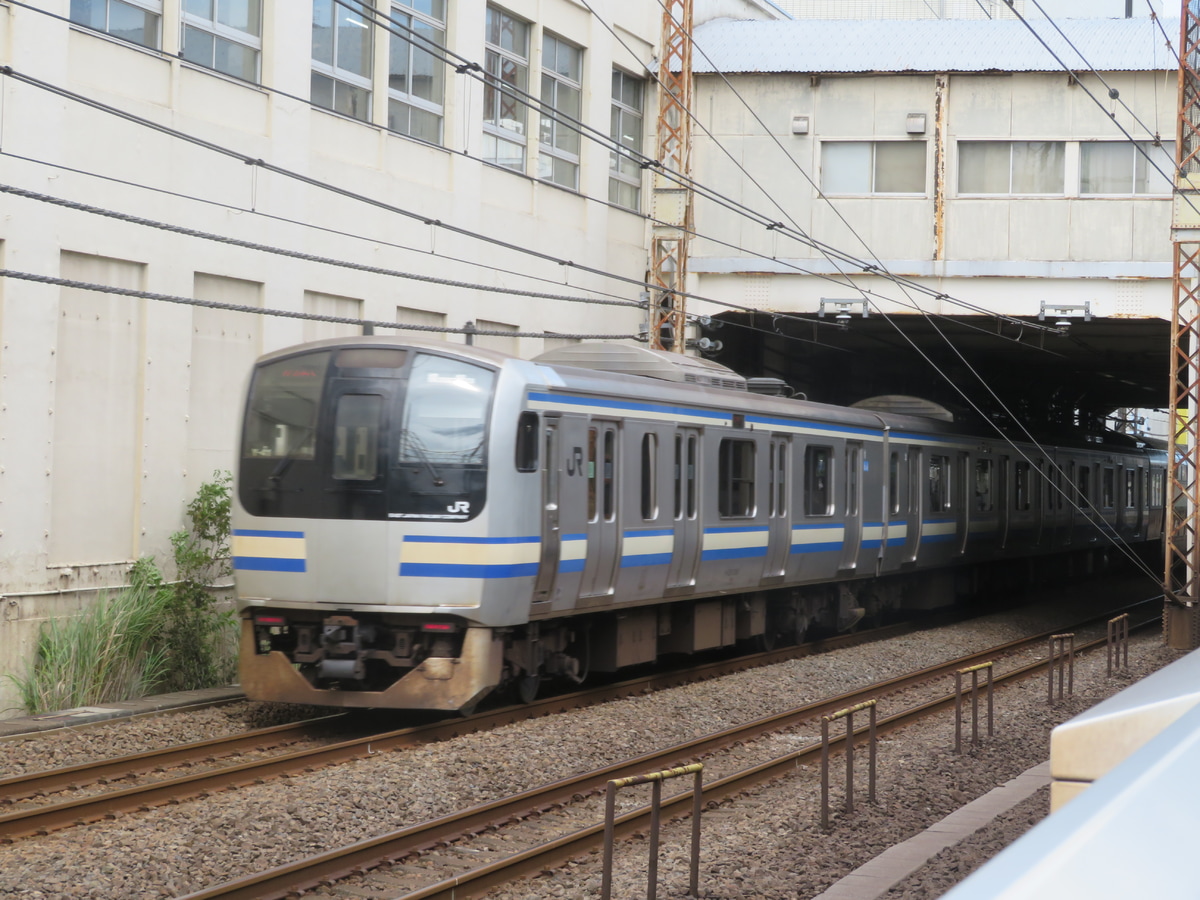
153	636
201	639
110	652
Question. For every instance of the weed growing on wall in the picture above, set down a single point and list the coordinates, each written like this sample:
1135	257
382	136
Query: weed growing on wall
112	651
152	636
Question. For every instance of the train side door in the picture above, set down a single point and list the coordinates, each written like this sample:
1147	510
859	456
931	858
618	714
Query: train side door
551	555
681	576
603	524
779	524
853	512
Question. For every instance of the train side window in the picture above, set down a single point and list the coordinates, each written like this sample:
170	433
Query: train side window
527	442
591	474
610	462
1083	485
678	476
781	455
692	444
649	476
983	485
1021	486
356	437
1107	488
1131	488
894	483
939	483
735	478
818	493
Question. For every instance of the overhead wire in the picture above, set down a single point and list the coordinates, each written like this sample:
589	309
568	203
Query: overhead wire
289	313
950	380
474	70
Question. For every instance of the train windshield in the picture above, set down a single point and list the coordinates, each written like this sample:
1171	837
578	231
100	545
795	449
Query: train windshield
281	421
367	433
445	412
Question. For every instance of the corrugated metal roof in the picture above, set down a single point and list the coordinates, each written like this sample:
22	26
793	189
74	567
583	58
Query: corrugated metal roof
930	45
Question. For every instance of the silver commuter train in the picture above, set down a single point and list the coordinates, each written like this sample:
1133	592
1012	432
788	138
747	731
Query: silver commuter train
417	524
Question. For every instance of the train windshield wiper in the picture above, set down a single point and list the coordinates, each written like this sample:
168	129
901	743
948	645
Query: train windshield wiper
413	443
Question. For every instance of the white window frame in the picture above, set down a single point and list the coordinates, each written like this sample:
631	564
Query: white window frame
549	152
151	6
498	132
1167	164
225	33
404	8
1065	191
874	144
623	110
336	74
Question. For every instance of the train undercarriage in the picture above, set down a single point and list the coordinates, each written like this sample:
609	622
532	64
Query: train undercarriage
348	659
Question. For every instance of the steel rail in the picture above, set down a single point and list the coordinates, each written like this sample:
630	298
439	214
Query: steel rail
44	819
332	865
49	781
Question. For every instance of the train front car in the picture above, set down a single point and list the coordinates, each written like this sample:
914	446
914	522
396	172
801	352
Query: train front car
366	572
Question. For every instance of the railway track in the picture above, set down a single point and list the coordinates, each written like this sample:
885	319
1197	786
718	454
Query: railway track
515	837
43	819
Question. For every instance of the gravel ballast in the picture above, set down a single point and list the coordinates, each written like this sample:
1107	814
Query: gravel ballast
766	845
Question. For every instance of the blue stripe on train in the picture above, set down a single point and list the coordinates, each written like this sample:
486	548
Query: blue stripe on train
468	570
268	564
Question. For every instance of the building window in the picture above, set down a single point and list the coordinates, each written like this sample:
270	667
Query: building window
130	20
341	60
1120	168
225	35
624	169
558	137
416	82
735	478
1011	167
873	167
506	65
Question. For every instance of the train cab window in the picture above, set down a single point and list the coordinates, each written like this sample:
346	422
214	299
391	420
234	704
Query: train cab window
735	478
1107	488
939	483
649	476
1022	486
446	412
527	442
281	417
894	484
356	437
818	489
1158	488
1131	479
983	485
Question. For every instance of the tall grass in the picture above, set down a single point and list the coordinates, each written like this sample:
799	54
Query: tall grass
110	652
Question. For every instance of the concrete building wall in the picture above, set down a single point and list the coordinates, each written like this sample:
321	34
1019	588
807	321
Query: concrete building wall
114	409
1007	251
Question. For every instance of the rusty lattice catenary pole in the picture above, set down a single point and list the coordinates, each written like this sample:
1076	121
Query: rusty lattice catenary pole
1181	616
